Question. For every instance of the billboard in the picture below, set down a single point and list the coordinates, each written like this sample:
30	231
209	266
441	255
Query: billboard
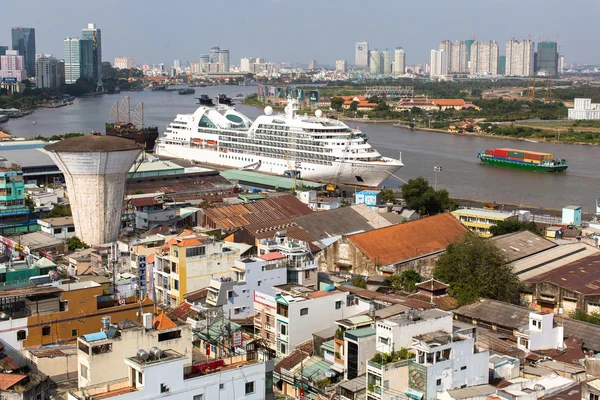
141	263
300	94
313	96
9	80
280	92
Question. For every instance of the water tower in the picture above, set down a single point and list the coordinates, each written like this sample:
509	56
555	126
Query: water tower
95	170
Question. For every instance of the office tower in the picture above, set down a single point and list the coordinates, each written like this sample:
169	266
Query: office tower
204	58
79	59
375	61
3	50
484	58
438	61
312	64
361	55
124	62
214	54
547	58
95	36
468	44
399	61
501	65
519	58
47	71
23	40
12	65
341	66
386	58
223	59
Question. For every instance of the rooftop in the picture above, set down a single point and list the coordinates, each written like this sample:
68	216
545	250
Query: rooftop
518	245
58	221
273	181
582	276
361	332
93	144
410	240
480	212
432	285
409	318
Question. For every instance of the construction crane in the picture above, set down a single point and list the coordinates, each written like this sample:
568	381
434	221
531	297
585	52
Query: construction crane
548	98
532	90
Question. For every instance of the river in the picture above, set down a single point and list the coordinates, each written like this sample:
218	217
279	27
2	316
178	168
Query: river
462	175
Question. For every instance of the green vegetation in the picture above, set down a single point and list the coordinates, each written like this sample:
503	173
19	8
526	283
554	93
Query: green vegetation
387	196
29	203
568	94
322	383
475	268
137	191
567	135
360	282
74	243
54	138
386	358
115	77
58	211
426	200
592	318
510	226
339	334
406	281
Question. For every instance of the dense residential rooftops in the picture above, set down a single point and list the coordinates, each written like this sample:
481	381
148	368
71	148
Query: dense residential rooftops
582	276
410	240
93	144
410	318
518	245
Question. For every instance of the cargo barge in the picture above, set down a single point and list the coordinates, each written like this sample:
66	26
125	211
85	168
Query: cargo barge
523	159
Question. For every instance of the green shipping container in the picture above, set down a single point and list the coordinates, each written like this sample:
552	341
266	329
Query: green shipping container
516	154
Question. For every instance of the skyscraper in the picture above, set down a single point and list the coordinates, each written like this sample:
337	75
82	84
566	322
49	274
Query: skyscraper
79	59
399	61
3	50
438	61
501	65
214	54
124	62
361	55
47	72
547	58
223	59
468	44
341	66
95	36
386	58
12	65
23	40
519	58
375	61
312	64
484	58
204	58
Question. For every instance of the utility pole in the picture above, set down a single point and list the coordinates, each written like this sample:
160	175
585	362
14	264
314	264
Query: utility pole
437	169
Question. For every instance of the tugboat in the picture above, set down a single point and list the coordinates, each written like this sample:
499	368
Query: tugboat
205	100
187	91
223	99
121	125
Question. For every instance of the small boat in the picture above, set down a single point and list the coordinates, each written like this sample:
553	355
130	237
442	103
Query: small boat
187	91
223	99
205	100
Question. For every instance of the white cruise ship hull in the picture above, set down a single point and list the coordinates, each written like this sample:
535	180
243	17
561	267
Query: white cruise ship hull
368	174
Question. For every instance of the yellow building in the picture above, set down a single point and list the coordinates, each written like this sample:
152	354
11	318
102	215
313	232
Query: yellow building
480	221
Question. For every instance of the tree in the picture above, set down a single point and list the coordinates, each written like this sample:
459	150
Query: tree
388	196
405	281
475	268
337	103
510	226
424	199
592	318
359	282
74	243
354	106
58	211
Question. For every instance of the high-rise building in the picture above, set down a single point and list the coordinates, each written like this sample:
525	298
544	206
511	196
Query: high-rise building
245	64
375	62
95	36
79	59
12	65
23	40
124	62
361	55
312	64
386	60
468	44
214	54
204	58
399	61
547	58
501	65
341	66
47	72
484	58
458	62
3	50
438	61
223	59
519	58
561	65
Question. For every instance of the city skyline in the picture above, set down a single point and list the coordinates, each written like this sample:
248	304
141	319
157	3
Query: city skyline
151	40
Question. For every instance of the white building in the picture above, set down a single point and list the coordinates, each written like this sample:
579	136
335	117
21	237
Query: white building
100	355
375	62
12	65
361	55
540	333
47	71
519	58
302	311
245	64
399	61
446	361
584	109
484	58
438	61
162	374
61	228
312	64
72	55
124	62
359	346
386	59
341	66
396	332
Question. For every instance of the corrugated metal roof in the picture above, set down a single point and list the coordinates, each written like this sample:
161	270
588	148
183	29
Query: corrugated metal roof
582	276
551	259
266	180
518	245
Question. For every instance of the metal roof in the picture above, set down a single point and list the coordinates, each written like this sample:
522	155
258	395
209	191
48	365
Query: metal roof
582	276
28	157
480	212
549	260
272	181
518	245
93	337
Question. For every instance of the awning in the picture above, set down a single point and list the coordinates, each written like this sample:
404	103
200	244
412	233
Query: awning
414	394
338	368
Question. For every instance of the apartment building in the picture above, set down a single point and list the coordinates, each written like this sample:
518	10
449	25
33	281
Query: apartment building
484	58
480	221
519	58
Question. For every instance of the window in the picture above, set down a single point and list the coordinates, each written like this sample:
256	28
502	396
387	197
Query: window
57	231
221	386
198	397
249	387
338	304
236	311
463	367
283	348
71	229
102	349
140	378
195	251
282	309
83	347
164	388
384	340
304	311
283	329
258	283
307	274
174	267
21	335
230	294
83	371
46	330
593	396
176	284
438	382
74	332
169	335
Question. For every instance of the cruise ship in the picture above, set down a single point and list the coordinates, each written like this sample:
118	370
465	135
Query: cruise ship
288	144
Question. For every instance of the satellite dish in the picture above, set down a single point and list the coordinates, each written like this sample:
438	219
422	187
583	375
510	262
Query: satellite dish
318	113
268	110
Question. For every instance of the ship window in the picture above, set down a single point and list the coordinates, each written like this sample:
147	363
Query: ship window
234	118
205	122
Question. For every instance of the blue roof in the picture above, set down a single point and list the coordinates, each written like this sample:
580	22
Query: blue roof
375	192
92	337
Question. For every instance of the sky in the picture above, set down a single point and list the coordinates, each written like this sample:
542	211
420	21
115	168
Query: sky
154	31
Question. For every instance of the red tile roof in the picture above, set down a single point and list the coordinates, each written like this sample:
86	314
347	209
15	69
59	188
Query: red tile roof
272	256
163	322
180	312
9	380
414	239
449	102
188	243
143	201
150	259
432	285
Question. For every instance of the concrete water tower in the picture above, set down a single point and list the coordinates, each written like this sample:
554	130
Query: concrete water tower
95	170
